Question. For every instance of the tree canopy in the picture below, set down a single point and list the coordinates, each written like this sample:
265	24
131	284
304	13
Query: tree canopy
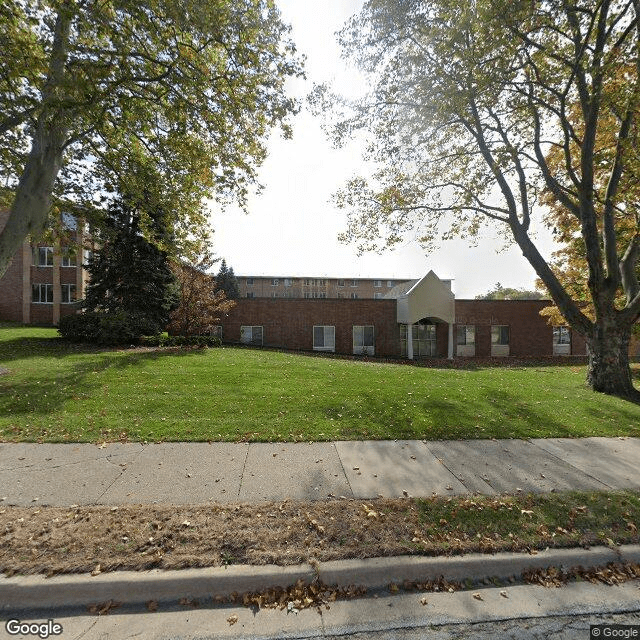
129	274
155	98
467	101
509	293
226	281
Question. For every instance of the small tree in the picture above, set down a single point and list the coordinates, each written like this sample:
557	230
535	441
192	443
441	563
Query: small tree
129	274
509	293
227	281
202	304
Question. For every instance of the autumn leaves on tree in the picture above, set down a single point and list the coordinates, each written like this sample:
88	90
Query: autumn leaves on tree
487	113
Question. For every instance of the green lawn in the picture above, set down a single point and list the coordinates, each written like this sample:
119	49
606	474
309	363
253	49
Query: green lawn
58	392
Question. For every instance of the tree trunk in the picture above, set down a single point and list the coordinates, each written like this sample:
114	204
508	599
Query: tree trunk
609	371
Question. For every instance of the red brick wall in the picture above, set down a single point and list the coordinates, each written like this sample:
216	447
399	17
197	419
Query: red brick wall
11	284
288	323
530	335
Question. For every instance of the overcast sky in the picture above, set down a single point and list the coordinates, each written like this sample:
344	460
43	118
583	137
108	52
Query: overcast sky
292	226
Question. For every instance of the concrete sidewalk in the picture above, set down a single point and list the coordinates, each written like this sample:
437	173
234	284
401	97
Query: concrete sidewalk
196	473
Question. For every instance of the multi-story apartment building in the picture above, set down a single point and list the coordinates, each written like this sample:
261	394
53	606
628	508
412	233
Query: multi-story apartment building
44	279
316	287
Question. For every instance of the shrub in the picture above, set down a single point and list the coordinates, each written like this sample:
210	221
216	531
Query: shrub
107	328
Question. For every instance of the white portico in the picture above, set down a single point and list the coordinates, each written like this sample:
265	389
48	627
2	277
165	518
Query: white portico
422	306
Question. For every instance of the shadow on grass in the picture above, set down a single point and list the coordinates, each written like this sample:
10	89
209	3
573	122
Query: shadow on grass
45	394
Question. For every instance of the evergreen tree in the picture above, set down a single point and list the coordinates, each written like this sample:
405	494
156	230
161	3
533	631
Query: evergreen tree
128	273
227	281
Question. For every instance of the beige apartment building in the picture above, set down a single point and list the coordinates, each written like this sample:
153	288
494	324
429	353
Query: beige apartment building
304	287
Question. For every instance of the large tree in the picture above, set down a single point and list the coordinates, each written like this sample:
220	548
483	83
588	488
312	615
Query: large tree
468	98
226	281
136	96
129	273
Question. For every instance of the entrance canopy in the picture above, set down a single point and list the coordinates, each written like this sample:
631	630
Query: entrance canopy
428	298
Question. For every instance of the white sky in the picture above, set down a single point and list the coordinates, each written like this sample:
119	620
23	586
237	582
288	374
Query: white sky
292	226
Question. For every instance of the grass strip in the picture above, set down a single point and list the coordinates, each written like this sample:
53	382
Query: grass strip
52	540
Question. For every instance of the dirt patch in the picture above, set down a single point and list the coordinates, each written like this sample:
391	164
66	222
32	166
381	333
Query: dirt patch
52	540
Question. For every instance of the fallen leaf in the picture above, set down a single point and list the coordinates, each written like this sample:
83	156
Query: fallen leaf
477	596
152	605
527	512
232	619
97	570
423	601
504	594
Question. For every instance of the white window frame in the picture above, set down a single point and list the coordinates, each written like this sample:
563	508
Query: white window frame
500	349
354	296
561	335
354	283
361	346
378	296
69	259
48	257
274	294
341	282
40	288
249	334
328	338
391	283
275	282
466	329
70	295
377	283
288	282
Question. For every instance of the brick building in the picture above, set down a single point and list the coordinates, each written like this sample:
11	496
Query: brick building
381	317
415	319
303	287
43	280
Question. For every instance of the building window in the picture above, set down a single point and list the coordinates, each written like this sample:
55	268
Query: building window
42	293
423	340
354	296
69	258
354	283
466	334
341	283
250	294
500	334
561	335
288	282
68	293
324	338
307	282
249	282
251	335
391	283
377	296
363	340
274	294
377	283
216	331
43	257
314	294
275	282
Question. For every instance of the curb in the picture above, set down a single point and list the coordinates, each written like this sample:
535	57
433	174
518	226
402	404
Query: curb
23	593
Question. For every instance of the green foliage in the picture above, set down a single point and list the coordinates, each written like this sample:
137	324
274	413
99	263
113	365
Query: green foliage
128	273
508	293
174	99
227	281
106	328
